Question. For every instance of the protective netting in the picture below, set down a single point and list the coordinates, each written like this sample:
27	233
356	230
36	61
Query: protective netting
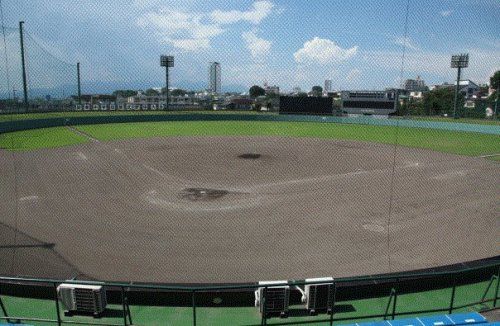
51	82
249	198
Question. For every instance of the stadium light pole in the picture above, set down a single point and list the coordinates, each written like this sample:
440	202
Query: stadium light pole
23	63
166	61
458	61
78	83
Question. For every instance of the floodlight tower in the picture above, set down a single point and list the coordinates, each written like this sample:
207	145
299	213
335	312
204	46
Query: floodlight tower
458	61
166	61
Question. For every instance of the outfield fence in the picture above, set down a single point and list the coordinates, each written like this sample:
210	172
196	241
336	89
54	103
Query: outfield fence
24	124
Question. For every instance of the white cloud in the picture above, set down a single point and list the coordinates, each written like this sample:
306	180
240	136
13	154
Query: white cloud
323	51
259	11
193	44
434	65
257	46
408	43
182	30
353	75
446	13
193	31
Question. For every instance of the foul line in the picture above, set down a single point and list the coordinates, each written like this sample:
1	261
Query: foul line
490	155
84	134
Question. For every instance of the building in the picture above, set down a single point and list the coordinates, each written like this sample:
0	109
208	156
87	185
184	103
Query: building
271	89
240	103
376	103
415	85
328	86
466	87
214	78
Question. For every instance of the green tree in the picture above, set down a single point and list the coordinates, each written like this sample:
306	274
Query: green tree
440	101
302	94
495	80
151	92
124	93
317	90
178	92
256	91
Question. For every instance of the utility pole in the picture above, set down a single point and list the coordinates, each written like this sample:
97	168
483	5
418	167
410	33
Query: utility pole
458	61
78	83
23	63
496	101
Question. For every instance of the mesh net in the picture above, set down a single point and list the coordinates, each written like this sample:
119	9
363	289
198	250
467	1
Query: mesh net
383	182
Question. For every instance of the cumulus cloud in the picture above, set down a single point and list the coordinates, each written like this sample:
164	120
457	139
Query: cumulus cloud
182	30
193	31
257	46
446	13
323	51
353	75
259	11
406	42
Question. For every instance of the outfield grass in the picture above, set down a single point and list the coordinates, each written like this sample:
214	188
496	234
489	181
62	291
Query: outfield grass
40	138
463	143
472	144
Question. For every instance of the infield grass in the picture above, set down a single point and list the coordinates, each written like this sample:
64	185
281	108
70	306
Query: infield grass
455	142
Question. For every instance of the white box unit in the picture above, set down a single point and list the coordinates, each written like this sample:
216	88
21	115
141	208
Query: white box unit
82	298
273	300
319	296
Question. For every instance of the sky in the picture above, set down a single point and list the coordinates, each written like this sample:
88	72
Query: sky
357	44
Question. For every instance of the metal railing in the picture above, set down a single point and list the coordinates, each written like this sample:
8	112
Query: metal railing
398	284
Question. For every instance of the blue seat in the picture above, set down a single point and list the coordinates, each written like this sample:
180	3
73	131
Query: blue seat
440	320
405	322
467	318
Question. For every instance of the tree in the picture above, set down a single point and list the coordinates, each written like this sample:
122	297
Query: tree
178	92
301	94
151	92
256	91
440	101
124	93
317	90
495	80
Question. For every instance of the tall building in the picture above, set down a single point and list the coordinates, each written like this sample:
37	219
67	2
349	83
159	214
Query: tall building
214	78
328	86
415	84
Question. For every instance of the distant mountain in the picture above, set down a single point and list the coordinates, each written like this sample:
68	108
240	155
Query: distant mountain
98	87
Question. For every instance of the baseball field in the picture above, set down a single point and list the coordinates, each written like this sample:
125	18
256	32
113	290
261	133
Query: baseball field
237	201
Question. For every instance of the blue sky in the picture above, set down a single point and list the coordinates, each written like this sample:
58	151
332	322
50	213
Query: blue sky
357	44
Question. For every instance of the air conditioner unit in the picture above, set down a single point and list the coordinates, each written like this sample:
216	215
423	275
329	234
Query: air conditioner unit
273	300
319	296
77	298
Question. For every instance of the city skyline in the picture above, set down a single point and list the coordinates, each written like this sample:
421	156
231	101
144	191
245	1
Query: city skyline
263	40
